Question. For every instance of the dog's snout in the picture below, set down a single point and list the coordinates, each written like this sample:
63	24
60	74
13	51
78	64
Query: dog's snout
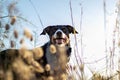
59	33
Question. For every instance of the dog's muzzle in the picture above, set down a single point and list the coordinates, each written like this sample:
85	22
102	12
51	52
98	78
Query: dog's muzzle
60	40
59	37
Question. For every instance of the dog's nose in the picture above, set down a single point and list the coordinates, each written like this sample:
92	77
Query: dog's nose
59	33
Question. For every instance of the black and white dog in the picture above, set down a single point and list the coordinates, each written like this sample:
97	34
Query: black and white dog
57	50
59	37
56	55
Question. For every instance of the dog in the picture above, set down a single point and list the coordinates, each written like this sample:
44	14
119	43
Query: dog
56	54
60	44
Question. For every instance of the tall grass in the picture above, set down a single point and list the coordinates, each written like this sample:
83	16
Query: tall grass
76	71
110	73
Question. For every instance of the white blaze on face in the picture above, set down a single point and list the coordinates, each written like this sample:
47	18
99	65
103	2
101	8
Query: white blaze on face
59	30
60	39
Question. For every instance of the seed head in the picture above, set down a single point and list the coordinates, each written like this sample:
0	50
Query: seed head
12	44
9	75
81	67
15	34
13	20
7	27
21	41
27	56
31	38
63	77
74	68
2	74
50	78
37	67
38	53
28	34
47	67
53	49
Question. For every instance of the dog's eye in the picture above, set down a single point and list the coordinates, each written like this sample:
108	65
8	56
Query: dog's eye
64	29
53	30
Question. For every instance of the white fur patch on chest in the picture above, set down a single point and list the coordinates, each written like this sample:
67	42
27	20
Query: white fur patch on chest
58	60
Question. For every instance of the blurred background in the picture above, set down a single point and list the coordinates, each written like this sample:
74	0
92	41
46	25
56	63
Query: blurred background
95	48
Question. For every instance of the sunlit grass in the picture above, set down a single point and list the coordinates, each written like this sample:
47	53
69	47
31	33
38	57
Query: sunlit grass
26	71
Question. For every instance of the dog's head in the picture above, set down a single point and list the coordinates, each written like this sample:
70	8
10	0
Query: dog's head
59	34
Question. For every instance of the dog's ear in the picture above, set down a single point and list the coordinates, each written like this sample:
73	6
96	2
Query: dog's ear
72	29
46	30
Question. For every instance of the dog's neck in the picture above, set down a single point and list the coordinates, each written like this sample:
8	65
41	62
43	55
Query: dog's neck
66	48
60	58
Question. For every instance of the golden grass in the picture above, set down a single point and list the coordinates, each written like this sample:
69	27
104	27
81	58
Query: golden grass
25	71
